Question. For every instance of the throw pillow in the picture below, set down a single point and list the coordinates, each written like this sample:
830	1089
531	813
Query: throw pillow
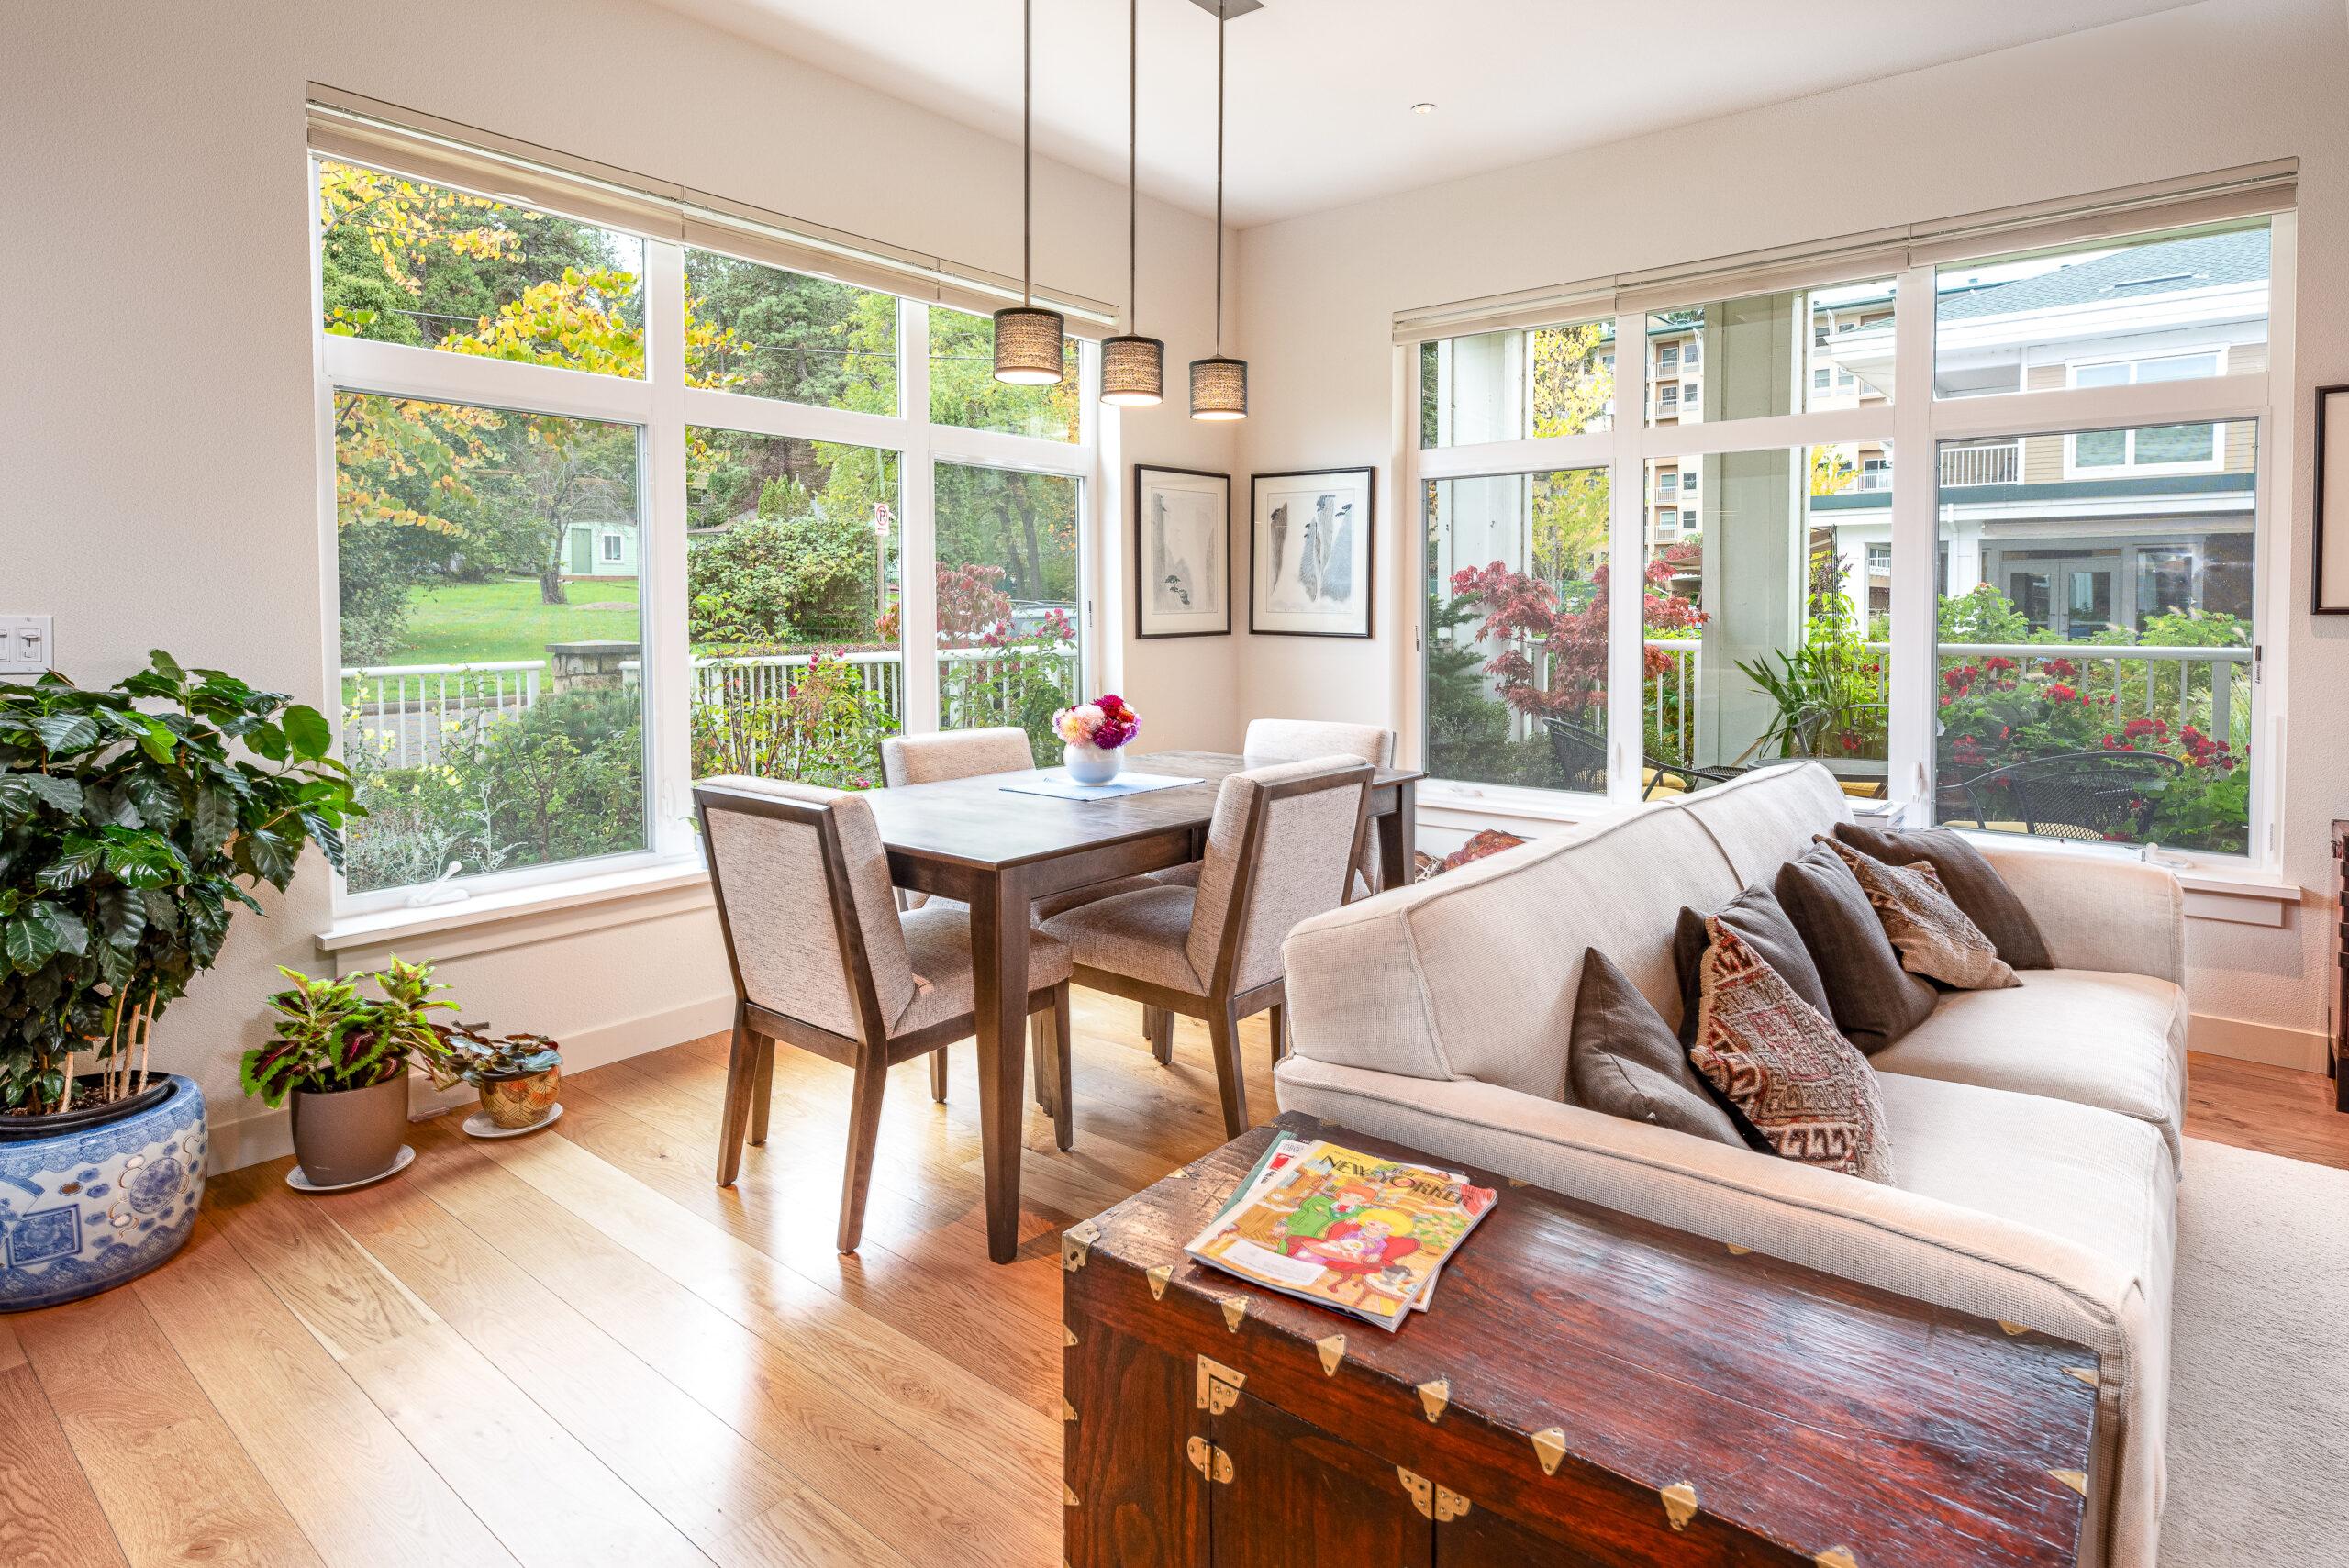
1623	1060
1972	883
1871	999
1758	918
1933	936
1783	1069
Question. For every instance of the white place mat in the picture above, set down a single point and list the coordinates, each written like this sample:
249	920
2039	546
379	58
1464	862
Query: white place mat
1056	783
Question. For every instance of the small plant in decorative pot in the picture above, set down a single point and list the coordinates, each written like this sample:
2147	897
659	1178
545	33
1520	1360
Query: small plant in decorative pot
342	1058
1092	734
517	1074
133	821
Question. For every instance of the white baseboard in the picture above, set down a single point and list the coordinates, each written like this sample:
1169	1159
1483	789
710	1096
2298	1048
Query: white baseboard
265	1134
2303	1050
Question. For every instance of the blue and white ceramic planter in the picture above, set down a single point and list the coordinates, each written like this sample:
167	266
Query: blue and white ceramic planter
86	1209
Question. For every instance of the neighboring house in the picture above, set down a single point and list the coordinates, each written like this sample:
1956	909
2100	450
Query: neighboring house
604	549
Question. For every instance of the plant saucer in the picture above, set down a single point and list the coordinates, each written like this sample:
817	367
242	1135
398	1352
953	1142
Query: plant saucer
478	1124
302	1183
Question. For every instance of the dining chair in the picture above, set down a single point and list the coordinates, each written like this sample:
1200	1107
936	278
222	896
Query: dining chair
1286	740
967	754
1280	848
824	960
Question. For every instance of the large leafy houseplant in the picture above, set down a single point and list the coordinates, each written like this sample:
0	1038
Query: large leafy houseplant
132	820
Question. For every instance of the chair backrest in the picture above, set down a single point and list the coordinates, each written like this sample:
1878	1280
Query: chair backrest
2079	795
1581	755
1299	740
1280	849
803	895
954	754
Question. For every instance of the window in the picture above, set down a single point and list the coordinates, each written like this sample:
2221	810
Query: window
1762	345
2017	324
2172	448
1516	659
1500	386
548	628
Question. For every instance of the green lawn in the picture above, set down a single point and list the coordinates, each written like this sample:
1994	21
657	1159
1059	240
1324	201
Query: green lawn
473	623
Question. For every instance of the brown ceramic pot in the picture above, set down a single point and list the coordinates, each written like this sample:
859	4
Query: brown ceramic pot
351	1135
520	1102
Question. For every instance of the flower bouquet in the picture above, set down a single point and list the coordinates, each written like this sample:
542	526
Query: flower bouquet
1092	733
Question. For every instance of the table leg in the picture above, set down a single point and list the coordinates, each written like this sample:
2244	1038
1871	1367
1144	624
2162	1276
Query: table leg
1398	832
999	998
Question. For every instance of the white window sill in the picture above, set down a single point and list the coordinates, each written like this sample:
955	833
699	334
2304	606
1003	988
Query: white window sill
489	920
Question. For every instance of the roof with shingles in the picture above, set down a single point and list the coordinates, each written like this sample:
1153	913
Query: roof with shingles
2170	266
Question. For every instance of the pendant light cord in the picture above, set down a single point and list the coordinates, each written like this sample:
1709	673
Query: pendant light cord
1133	164
1028	151
1221	6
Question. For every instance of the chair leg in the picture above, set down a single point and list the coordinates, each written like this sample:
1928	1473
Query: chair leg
762	1092
1040	1071
863	1131
1280	1031
1223	1032
1158	1028
1049	1030
938	1074
741	1069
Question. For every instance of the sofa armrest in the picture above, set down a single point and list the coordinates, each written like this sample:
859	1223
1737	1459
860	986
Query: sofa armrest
2100	911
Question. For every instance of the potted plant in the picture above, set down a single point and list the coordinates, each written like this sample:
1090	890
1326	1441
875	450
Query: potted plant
517	1074
133	821
342	1057
1091	734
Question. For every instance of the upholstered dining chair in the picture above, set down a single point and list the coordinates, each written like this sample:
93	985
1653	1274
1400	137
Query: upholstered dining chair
1286	740
1280	848
824	960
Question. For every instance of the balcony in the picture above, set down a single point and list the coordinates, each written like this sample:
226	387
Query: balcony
1995	464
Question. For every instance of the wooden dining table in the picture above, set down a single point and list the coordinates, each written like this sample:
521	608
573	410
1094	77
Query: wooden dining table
998	850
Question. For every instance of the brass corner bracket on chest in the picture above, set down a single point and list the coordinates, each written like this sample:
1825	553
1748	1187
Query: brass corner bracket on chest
1441	1504
1208	1460
1219	1386
1077	1246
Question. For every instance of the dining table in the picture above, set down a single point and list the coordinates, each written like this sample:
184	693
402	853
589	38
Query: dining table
998	850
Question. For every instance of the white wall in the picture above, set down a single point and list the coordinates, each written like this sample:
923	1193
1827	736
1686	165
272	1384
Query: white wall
157	467
2205	87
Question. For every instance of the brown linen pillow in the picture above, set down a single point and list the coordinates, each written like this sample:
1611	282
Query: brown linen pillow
1969	879
1781	1066
1623	1060
1758	918
1933	936
1872	1000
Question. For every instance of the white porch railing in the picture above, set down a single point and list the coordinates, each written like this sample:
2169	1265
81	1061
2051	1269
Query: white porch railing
2175	680
1668	698
2000	464
404	712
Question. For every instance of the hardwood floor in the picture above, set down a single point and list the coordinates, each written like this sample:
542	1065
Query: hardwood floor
573	1350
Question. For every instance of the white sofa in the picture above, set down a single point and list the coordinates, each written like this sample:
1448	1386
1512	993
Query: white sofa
2035	1131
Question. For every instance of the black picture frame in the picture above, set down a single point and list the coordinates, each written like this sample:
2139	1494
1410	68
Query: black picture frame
1141	612
2326	429
1367	478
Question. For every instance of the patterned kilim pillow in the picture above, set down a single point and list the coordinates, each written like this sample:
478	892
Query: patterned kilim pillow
1781	1067
1935	938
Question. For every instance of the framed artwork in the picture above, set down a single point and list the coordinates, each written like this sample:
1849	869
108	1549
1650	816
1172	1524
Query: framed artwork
1182	552
2331	562
1310	561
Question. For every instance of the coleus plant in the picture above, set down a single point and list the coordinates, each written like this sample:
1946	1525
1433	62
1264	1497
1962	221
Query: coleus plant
330	1037
132	821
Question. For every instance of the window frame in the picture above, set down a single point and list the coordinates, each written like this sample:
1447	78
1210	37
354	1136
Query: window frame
663	407
2129	467
1916	420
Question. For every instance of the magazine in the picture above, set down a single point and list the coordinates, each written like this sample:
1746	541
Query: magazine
1359	1232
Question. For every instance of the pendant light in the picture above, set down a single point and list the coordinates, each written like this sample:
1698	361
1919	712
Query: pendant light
1219	385
1027	340
1133	368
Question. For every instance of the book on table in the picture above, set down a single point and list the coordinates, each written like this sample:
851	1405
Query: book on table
1360	1233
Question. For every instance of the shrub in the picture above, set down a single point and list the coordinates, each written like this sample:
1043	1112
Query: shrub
771	579
826	729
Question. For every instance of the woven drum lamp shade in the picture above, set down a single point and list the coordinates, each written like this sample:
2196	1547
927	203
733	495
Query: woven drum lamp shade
1133	372
1027	345
1219	388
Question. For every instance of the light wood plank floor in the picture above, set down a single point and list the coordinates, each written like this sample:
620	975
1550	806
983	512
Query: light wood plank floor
573	1350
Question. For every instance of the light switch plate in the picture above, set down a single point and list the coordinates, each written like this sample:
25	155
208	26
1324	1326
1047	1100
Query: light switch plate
25	646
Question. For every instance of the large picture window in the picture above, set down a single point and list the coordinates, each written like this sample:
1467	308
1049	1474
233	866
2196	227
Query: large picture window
2079	657
564	596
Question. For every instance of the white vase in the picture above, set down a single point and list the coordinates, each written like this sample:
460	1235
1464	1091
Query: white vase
1088	763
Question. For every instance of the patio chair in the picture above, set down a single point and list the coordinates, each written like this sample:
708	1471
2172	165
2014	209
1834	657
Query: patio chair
1581	756
2092	795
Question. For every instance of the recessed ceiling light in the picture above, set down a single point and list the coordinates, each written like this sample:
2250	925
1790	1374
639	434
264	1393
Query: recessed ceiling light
1423	108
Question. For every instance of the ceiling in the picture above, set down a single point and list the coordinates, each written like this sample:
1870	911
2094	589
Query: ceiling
1320	91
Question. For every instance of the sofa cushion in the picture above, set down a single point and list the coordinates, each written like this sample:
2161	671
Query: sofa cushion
1933	936
1760	922
1625	1061
2092	1037
1872	1000
1796	1088
1972	883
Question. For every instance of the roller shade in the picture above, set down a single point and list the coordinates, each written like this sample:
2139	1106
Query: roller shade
347	126
2202	201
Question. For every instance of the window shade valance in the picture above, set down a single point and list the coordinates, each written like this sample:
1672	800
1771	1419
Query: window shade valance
361	130
2223	196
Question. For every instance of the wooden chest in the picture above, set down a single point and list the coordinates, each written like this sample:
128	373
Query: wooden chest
1585	1389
